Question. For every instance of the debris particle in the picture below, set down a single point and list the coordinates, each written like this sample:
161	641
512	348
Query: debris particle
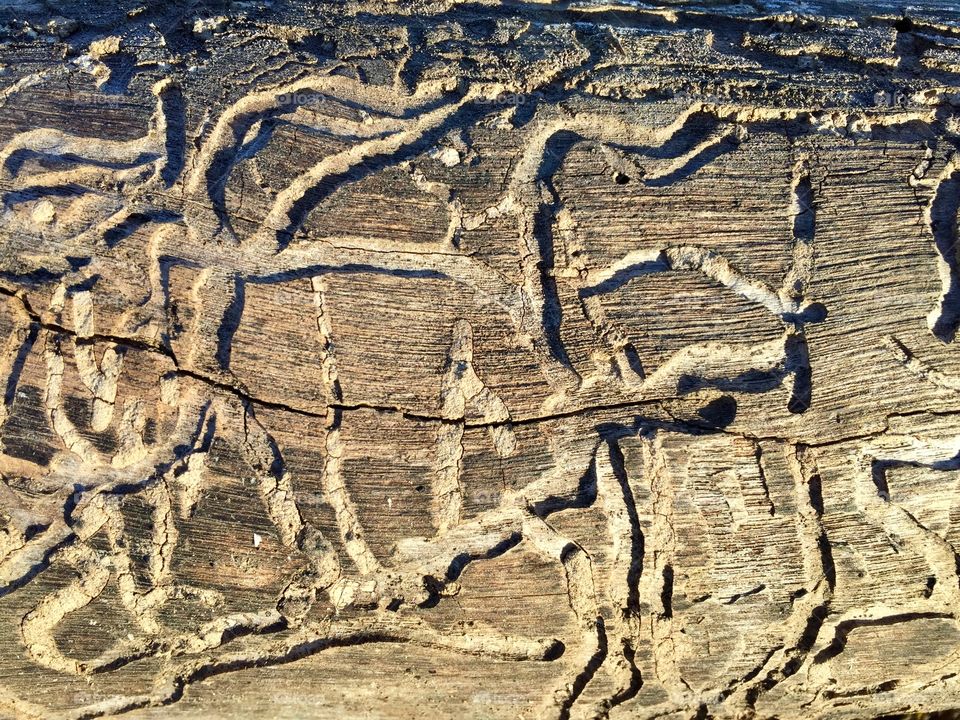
446	156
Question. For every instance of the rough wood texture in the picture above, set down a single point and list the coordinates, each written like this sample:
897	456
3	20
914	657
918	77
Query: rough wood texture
482	360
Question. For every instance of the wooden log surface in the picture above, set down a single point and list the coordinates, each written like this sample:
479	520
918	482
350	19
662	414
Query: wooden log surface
395	359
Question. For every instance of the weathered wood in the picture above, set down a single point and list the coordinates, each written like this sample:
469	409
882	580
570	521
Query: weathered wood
479	360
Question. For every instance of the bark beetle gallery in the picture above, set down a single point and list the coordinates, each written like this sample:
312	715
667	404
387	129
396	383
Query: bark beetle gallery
486	360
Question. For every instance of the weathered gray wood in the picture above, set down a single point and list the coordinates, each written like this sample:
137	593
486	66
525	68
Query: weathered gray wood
479	360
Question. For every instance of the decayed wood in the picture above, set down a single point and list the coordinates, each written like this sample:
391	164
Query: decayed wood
565	360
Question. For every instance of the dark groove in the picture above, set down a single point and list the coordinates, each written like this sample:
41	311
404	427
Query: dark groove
17	367
618	464
943	224
666	592
230	322
175	142
580	682
845	627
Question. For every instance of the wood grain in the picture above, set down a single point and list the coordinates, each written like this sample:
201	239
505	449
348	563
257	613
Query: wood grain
485	360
